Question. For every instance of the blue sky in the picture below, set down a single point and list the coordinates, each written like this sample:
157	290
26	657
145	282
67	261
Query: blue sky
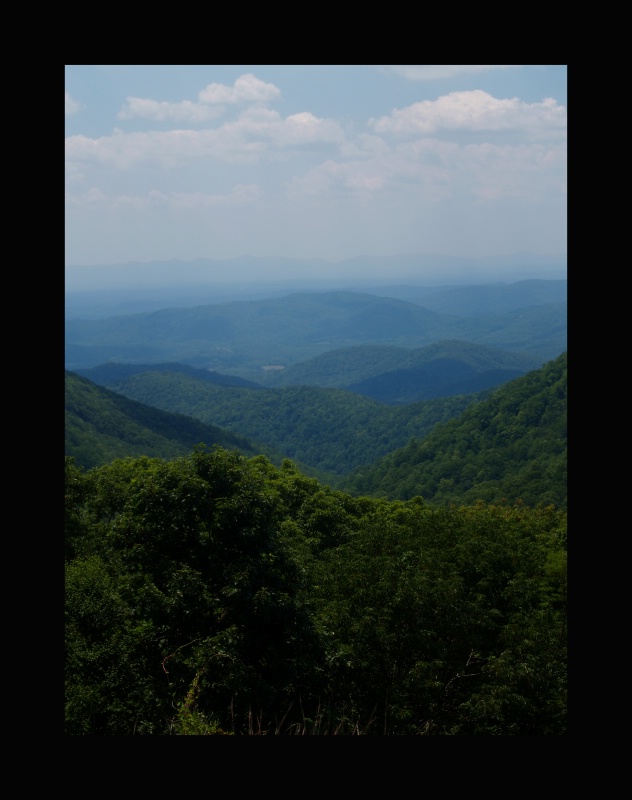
313	161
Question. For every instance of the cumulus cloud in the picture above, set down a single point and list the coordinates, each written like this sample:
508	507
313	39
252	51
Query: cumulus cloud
423	164
246	89
211	100
125	150
72	106
185	111
474	111
257	132
304	128
434	170
496	149
409	152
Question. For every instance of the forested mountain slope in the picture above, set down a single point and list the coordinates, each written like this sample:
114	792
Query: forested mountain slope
510	446
403	375
101	425
396	375
330	430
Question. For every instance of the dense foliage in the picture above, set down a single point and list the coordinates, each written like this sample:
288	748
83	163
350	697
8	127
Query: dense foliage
330	430
101	425
217	594
512	445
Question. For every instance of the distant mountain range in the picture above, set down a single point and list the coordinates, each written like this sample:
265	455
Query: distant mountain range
422	267
112	289
253	339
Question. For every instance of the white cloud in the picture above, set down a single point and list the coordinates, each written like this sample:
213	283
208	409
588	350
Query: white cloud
72	106
186	111
364	145
258	131
432	72
432	170
295	130
403	154
472	111
125	150
246	90
230	169
379	174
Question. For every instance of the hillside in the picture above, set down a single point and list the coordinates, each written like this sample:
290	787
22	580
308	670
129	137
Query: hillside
401	375
507	444
510	446
102	425
330	430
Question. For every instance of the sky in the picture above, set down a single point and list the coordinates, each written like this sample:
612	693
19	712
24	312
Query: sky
331	162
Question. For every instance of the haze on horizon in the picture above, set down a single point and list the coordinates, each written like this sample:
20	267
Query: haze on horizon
313	162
